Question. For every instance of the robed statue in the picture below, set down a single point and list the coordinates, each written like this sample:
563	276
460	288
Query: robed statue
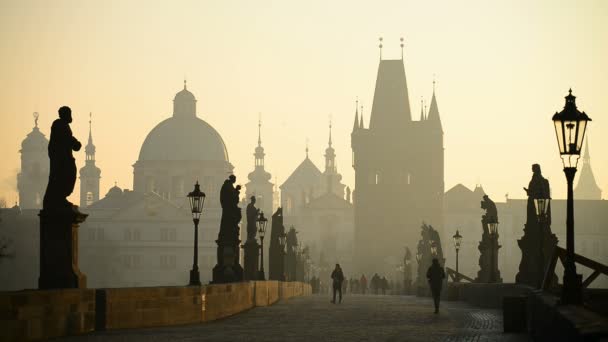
231	213
62	173
537	188
252	216
491	215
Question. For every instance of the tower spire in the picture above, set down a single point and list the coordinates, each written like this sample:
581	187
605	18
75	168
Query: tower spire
356	124
361	121
330	131
380	46
401	39
259	129
421	109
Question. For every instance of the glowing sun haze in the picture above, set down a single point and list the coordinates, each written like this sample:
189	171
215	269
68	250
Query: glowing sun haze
502	70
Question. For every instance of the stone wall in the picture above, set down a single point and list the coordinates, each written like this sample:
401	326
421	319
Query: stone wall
485	295
36	315
39	315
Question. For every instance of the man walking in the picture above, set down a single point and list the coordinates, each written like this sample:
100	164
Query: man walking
435	276
338	277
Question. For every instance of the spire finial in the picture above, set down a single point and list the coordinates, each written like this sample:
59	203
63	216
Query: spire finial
36	115
259	129
401	39
361	122
306	148
433	83
185	84
329	130
90	125
421	108
380	46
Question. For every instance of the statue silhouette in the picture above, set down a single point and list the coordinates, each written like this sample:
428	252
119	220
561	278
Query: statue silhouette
231	213
252	217
491	215
62	174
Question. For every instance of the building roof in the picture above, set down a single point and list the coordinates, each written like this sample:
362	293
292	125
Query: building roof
306	173
183	137
391	107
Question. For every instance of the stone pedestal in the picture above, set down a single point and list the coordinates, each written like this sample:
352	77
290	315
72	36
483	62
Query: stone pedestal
228	269
534	259
488	259
252	255
59	250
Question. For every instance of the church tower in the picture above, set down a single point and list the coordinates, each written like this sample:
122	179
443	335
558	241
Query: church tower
34	175
586	188
398	166
89	174
331	179
259	184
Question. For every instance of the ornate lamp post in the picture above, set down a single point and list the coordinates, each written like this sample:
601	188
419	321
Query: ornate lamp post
262	222
570	126
457	241
493	229
197	200
433	248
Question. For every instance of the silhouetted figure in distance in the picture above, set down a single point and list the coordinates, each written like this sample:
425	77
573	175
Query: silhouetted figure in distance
384	285
231	213
435	276
363	283
252	215
337	277
62	174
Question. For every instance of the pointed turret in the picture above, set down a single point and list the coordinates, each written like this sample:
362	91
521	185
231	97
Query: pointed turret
356	123
259	179
421	109
361	126
433	116
587	187
89	173
391	107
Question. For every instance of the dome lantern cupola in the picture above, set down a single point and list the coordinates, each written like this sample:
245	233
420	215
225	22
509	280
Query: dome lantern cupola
184	103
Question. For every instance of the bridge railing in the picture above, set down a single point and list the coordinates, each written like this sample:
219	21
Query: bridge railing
457	276
560	253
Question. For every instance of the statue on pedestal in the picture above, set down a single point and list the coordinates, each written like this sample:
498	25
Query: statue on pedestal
276	251
538	243
59	218
251	246
228	268
488	246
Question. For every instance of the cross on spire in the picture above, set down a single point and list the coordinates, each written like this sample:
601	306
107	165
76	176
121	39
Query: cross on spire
36	115
401	39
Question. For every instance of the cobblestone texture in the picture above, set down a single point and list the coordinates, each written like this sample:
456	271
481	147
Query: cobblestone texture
314	318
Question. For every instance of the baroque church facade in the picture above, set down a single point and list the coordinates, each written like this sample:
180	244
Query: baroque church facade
399	172
144	236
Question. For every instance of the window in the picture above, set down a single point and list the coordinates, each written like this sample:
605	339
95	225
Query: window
168	234
377	180
89	199
167	261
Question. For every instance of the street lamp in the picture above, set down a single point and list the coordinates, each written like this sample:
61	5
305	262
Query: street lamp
457	241
262	222
570	126
433	248
197	200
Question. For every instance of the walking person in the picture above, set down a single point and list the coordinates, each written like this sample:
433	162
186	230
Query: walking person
363	284
435	276
338	277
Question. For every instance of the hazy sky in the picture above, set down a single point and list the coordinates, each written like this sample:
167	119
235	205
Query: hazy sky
502	69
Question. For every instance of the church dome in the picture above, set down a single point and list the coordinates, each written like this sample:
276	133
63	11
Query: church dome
34	141
186	138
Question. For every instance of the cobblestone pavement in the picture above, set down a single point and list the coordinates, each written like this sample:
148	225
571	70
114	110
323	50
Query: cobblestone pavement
314	318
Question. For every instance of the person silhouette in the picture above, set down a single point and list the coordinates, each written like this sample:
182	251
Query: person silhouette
338	277
62	173
435	276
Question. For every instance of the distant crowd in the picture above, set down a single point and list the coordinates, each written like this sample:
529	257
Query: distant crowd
376	285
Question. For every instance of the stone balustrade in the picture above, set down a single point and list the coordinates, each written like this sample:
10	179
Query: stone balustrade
36	315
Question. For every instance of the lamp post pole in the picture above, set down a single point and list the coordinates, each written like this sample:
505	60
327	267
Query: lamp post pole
262	221
570	127
457	241
197	200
